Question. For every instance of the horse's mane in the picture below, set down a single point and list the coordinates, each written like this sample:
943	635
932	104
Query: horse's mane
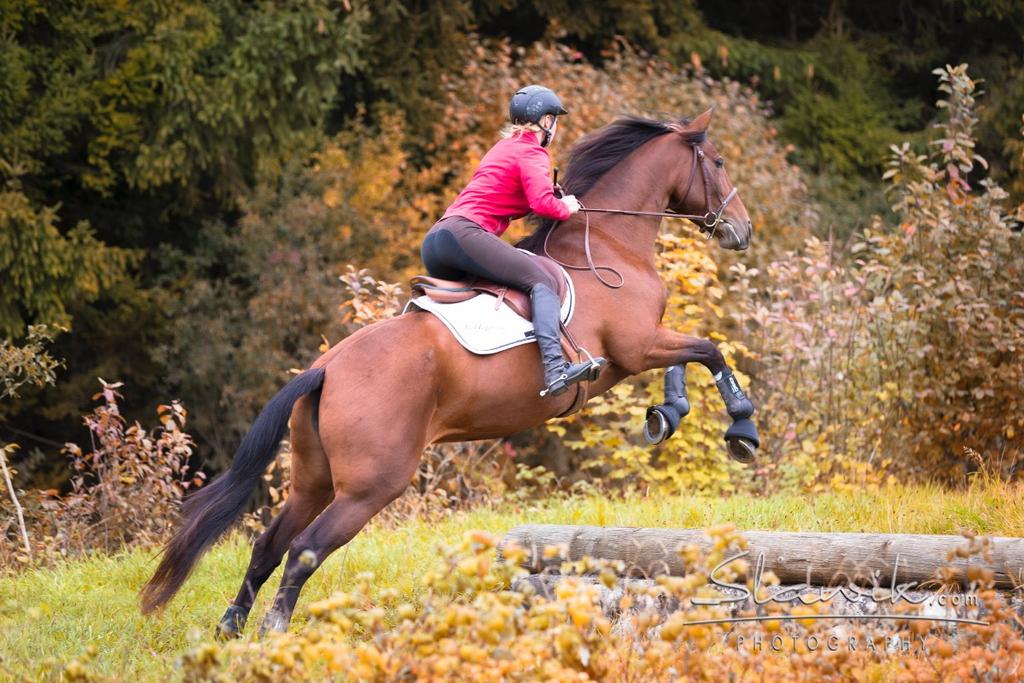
597	153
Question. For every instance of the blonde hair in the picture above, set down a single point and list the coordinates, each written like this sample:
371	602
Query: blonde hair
513	129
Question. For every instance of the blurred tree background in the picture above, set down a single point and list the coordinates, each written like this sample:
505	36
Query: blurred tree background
182	183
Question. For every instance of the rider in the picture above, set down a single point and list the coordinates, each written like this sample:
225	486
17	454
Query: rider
513	178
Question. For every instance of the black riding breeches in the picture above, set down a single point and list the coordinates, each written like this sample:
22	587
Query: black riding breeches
456	247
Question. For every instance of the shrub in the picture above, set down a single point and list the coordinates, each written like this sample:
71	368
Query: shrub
903	347
29	363
129	469
124	491
948	292
823	412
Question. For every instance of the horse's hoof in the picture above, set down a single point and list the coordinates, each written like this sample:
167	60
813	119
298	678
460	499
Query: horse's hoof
656	427
662	421
273	622
232	623
741	450
742	441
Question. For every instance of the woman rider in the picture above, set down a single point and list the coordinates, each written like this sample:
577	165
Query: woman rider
513	179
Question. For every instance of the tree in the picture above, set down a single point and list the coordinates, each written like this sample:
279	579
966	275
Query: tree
128	126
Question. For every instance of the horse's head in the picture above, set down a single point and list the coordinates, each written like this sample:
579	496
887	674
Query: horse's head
704	188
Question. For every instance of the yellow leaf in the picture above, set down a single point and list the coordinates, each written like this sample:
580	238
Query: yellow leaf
332	197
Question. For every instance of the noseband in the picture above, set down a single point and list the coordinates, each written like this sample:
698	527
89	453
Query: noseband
710	220
706	222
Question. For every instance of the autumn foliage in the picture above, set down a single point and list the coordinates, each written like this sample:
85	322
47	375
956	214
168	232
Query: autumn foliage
205	196
899	350
894	353
475	622
125	490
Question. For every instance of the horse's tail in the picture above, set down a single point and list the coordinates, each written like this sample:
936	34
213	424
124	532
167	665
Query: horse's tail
211	510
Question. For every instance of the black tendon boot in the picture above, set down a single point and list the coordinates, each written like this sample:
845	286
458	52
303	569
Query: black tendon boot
558	372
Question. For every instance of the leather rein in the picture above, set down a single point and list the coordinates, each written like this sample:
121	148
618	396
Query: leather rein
706	223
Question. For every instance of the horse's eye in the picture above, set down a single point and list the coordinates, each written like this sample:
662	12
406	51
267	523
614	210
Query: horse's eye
720	163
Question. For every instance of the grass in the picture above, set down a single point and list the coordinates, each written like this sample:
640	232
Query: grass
51	616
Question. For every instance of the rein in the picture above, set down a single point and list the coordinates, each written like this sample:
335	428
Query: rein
706	223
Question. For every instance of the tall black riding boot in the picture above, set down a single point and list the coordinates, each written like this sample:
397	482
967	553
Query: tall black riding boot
558	372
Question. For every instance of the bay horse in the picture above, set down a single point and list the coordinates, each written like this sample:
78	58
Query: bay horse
361	416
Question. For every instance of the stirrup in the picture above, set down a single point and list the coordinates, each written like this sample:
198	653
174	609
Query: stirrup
588	372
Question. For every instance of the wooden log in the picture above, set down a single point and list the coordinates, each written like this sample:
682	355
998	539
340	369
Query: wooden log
824	559
645	597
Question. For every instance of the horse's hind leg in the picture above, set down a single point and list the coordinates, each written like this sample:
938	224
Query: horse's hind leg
373	427
266	556
352	508
311	491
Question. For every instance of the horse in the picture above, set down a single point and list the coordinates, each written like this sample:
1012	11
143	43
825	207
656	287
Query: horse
362	414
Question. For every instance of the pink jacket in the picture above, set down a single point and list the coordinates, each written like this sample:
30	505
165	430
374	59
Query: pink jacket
513	179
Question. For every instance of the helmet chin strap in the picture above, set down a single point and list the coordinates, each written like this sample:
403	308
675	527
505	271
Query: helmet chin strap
549	133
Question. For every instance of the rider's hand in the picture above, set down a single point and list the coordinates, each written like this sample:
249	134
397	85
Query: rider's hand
571	203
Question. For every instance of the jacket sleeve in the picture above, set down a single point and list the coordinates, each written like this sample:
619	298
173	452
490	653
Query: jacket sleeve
535	172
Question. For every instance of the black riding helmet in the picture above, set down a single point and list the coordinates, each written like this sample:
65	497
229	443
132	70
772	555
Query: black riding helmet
531	104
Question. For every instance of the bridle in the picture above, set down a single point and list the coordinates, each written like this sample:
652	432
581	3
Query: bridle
707	222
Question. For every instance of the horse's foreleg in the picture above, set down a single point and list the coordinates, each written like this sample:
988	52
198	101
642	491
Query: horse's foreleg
673	351
662	420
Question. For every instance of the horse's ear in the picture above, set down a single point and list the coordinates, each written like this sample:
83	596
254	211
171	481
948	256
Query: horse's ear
701	123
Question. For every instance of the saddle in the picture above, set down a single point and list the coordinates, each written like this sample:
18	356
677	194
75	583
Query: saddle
455	291
484	328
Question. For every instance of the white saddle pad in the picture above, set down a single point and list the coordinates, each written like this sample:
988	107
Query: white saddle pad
483	326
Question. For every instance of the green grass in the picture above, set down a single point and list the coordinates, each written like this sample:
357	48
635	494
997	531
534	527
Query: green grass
55	614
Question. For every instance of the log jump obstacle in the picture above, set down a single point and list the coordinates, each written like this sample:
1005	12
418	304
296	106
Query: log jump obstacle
888	568
821	559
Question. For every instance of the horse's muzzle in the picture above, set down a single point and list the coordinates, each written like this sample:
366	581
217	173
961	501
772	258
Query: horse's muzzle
731	237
